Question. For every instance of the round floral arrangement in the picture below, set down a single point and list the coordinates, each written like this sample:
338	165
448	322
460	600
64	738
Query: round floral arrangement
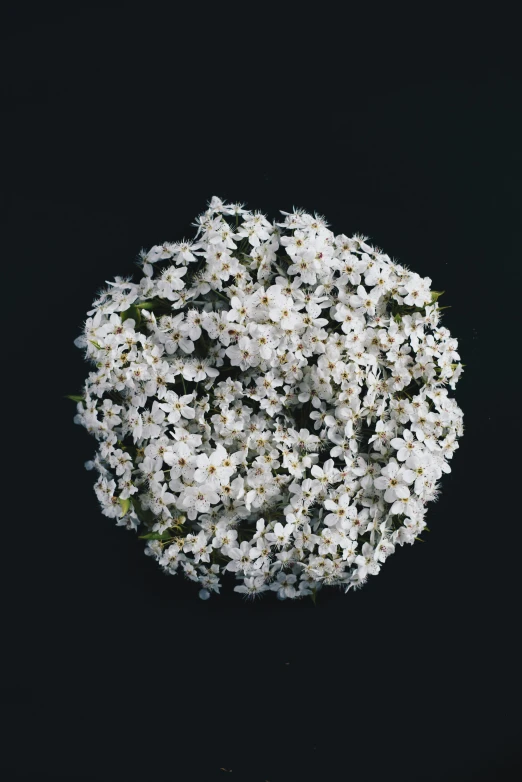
270	400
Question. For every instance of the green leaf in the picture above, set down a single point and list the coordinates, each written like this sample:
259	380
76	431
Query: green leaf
436	295
147	305
98	347
156	536
125	505
74	397
133	312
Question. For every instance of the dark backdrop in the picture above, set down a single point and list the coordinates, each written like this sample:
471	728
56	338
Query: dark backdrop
118	128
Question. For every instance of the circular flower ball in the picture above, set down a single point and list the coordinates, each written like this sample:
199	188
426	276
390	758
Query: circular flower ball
270	400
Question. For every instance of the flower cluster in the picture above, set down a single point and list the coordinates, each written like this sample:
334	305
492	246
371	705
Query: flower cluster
270	400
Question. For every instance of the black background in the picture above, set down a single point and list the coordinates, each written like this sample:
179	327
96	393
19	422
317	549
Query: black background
118	127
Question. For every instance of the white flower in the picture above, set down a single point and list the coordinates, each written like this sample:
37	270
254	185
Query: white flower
241	559
418	292
327	474
349	548
340	510
366	562
278	405
214	470
252	586
394	480
406	445
280	537
198	499
160	499
200	548
284	585
120	461
177	406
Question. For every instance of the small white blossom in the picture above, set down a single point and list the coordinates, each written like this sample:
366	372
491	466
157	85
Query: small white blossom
270	400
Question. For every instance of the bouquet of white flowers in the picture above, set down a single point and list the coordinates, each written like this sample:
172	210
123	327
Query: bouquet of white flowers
270	400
